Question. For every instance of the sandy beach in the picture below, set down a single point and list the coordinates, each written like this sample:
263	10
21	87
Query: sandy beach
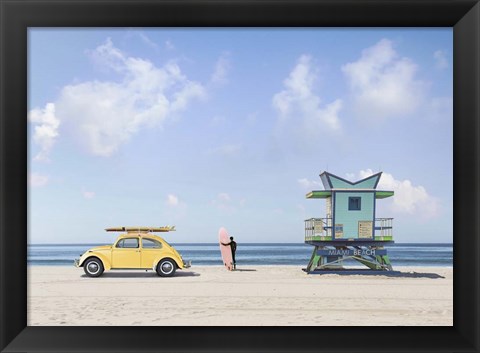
251	296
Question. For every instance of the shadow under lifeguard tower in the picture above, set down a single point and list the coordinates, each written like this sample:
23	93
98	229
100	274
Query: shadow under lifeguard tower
350	230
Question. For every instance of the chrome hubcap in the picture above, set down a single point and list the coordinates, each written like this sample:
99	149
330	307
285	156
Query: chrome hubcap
93	267
167	267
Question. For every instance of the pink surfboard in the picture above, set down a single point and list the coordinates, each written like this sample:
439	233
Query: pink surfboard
226	252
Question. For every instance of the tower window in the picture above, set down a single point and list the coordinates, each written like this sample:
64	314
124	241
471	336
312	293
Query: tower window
354	203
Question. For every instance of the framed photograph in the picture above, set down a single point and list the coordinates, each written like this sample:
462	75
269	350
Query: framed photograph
225	121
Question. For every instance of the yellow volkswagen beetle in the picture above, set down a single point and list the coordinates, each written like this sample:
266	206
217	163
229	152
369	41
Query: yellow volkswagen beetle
138	249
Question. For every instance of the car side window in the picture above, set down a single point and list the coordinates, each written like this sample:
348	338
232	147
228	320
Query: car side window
151	244
129	243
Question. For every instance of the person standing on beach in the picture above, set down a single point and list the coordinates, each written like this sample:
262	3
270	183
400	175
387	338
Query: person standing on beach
233	248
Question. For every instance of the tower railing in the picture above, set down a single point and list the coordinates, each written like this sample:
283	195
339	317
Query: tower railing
383	228
318	229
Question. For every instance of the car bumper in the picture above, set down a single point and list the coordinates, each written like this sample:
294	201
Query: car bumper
76	262
187	264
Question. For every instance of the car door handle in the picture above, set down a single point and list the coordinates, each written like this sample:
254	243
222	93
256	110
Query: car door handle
137	251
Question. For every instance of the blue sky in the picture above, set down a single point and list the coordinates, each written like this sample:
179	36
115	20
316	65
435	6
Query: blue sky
204	128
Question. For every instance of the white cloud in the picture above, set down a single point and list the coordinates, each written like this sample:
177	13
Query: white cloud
225	202
169	45
145	39
408	198
222	67
45	129
299	100
226	150
88	194
309	184
218	120
383	84
172	200
37	180
441	61
176	209
106	114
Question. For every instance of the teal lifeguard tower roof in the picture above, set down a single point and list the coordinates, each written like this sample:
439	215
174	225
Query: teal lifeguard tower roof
333	183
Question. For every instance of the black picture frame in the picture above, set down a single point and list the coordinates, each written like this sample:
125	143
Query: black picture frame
18	15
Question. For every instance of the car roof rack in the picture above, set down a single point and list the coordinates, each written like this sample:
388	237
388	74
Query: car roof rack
142	229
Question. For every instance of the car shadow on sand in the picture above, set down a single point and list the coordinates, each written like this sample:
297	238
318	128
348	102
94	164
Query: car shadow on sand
138	274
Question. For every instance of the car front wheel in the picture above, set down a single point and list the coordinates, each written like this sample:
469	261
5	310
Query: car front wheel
93	267
166	268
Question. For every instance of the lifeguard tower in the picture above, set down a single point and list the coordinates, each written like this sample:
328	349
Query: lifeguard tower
350	229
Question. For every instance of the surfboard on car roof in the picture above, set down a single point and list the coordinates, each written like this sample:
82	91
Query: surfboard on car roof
141	229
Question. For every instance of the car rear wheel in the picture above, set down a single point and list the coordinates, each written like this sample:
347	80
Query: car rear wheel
166	268
93	267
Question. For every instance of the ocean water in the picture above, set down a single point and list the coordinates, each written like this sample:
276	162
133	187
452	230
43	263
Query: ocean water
253	254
